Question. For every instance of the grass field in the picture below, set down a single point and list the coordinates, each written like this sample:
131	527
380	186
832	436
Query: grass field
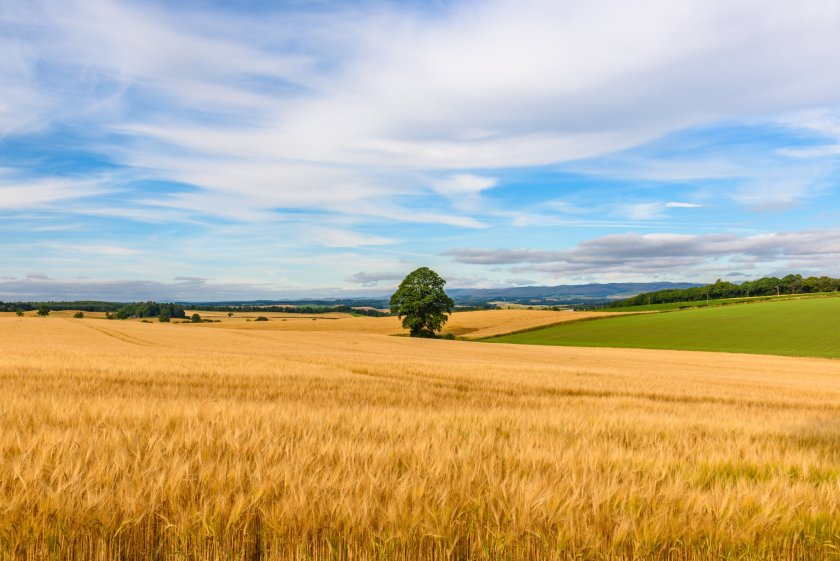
803	327
668	306
125	440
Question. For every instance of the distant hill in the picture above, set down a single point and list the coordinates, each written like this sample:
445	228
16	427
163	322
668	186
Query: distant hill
530	295
564	293
794	326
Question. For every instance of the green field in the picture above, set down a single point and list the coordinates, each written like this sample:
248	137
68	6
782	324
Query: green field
807	327
667	306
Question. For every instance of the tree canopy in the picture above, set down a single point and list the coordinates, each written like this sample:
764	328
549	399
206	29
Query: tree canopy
150	310
421	303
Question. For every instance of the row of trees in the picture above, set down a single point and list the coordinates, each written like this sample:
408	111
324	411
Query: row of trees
44	311
164	312
83	305
767	286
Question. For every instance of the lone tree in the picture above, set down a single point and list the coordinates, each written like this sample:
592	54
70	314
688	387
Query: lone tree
421	303
44	311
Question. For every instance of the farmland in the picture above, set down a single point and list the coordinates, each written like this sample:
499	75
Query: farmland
467	325
244	441
793	327
668	306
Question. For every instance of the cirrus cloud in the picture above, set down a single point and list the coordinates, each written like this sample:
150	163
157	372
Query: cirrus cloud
380	125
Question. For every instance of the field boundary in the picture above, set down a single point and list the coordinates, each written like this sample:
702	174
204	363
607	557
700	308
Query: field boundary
559	323
738	300
803	327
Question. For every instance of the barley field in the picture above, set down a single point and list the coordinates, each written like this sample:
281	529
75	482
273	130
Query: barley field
126	440
466	325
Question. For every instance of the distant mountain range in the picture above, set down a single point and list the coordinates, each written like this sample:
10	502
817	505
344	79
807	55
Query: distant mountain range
564	293
528	295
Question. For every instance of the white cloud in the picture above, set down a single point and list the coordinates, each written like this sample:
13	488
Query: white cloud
306	110
643	211
650	210
464	184
336	237
21	193
464	189
676	204
683	255
372	278
98	249
347	111
564	207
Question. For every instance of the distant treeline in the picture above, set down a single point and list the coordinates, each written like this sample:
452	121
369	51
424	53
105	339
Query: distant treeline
767	286
113	310
121	310
378	303
476	307
82	305
292	309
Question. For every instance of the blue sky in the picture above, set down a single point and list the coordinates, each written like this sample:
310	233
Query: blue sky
221	150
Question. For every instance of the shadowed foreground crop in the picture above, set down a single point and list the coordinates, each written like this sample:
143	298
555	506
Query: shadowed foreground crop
157	441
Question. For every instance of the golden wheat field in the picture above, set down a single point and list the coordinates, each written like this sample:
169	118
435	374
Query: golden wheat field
126	440
466	325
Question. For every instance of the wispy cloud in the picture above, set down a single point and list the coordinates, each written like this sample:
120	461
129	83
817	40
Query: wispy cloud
335	237
464	189
651	210
677	204
39	287
360	126
27	193
99	249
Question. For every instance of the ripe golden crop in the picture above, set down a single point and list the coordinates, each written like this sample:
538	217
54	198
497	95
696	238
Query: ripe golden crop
228	441
467	325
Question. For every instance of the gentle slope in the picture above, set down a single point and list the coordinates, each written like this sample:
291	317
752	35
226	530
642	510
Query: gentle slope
809	327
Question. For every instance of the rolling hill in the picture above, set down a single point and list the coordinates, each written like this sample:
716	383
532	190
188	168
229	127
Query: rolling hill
806	327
